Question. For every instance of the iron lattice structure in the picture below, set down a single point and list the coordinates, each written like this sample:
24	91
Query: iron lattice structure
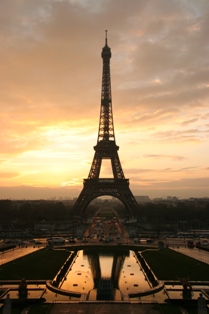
106	148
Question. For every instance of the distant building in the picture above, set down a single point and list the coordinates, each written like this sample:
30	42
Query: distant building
172	198
142	199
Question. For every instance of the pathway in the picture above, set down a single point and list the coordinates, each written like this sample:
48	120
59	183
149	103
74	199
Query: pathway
200	255
17	252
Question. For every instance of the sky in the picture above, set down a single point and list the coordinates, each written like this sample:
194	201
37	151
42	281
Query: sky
51	76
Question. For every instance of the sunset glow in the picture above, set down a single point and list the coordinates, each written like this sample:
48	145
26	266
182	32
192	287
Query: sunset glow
51	75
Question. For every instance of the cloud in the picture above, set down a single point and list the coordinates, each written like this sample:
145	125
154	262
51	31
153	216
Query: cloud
190	135
9	174
133	172
176	158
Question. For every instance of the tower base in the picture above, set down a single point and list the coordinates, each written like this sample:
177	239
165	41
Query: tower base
94	188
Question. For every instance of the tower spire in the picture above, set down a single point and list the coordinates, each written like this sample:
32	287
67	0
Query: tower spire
106	37
106	127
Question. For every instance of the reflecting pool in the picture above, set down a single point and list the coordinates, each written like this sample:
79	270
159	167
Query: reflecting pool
119	267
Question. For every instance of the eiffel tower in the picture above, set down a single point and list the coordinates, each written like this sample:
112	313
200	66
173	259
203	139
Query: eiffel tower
106	148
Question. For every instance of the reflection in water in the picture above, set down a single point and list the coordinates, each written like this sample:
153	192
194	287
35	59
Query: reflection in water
118	266
105	265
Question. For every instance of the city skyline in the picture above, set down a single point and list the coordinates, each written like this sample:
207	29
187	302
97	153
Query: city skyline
51	89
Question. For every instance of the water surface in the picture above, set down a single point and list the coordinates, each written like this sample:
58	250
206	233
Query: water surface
120	266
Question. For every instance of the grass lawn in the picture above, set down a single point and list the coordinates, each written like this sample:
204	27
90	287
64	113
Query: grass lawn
171	265
40	265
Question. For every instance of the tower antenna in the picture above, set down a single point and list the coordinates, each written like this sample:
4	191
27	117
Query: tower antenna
106	37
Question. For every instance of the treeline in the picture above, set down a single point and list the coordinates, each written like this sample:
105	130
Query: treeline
37	210
34	210
196	212
182	211
186	213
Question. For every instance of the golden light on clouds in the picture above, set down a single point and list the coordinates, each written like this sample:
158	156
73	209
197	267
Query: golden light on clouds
51	74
